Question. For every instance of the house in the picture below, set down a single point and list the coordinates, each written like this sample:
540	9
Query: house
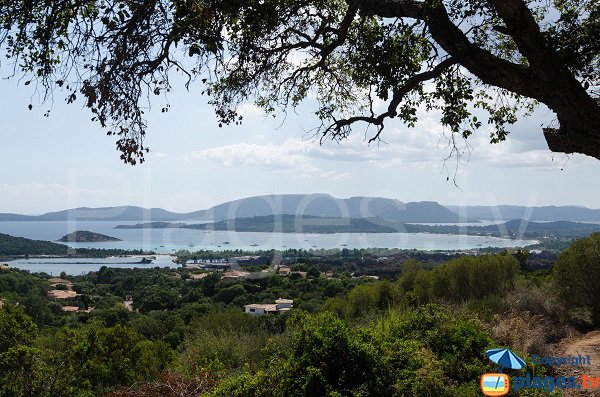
198	276
281	306
235	275
284	303
284	270
353	275
60	281
258	309
76	309
61	294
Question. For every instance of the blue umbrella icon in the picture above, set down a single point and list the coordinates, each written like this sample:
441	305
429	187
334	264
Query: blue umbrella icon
505	359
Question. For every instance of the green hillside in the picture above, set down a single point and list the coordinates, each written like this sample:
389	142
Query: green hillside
10	245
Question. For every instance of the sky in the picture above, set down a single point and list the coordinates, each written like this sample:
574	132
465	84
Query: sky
66	160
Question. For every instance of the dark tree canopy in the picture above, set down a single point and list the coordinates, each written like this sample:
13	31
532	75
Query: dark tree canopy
501	56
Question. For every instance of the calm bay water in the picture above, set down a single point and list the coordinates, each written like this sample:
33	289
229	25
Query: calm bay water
77	266
166	241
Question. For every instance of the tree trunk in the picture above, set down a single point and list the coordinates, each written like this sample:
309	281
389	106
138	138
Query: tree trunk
544	79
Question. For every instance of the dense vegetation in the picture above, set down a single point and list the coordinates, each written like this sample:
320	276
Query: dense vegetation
286	224
577	271
84	236
422	333
11	246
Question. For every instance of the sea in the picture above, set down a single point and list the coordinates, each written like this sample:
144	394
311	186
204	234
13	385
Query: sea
165	242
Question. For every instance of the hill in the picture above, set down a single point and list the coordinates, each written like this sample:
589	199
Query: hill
82	236
122	213
324	205
10	245
515	228
302	224
314	224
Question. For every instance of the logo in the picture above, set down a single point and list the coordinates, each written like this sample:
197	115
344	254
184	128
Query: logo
498	384
495	384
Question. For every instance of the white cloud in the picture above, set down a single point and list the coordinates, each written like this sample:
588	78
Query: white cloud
293	156
423	147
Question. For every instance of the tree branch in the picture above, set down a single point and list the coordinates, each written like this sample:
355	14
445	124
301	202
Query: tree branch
525	31
392	8
339	126
486	66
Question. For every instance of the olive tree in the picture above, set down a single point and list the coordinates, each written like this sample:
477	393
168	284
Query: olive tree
361	61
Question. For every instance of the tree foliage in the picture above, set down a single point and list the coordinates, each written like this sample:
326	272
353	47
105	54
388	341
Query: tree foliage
461	279
412	353
85	361
576	273
363	61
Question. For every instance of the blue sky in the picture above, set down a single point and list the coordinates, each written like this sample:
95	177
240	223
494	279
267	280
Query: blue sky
66	160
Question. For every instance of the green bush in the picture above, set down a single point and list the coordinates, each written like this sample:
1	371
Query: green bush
461	279
365	299
421	353
577	275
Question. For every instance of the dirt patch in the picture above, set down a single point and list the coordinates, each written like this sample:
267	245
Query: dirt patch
584	345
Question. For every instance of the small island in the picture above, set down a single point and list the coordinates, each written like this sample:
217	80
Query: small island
82	236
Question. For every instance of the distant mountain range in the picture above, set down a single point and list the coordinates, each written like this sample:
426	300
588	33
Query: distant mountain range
322	205
548	213
123	213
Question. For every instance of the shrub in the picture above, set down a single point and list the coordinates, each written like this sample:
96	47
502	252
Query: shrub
576	273
421	353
